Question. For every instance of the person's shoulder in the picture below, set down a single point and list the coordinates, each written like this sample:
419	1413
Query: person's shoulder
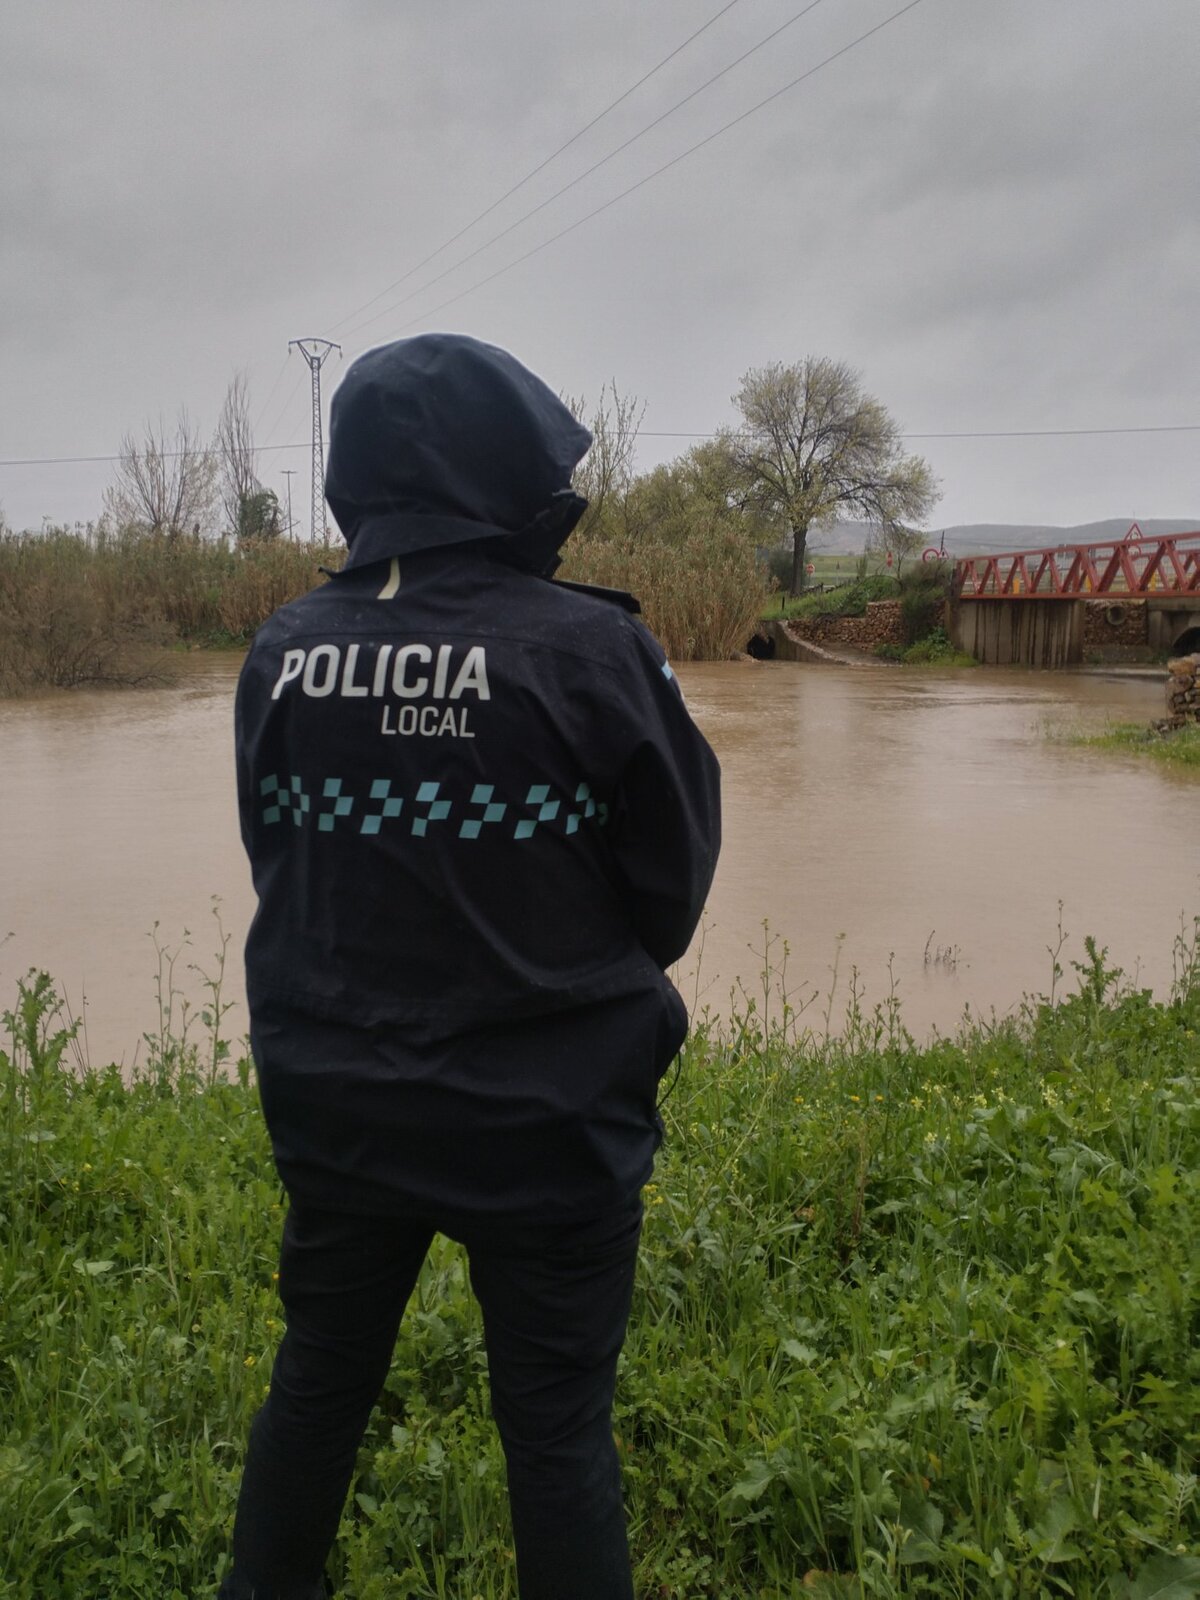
597	592
603	625
600	623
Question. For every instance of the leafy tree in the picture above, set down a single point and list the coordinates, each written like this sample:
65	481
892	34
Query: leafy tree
164	485
699	490
259	515
814	447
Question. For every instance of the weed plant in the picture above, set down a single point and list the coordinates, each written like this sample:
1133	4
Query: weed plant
910	1319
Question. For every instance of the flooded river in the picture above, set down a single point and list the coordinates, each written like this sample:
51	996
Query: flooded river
919	827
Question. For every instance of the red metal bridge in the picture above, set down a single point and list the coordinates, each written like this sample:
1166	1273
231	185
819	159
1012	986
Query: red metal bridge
1133	567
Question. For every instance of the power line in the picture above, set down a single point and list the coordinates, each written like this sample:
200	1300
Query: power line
284	409
541	166
66	461
574	182
655	433
1048	433
658	171
984	433
262	411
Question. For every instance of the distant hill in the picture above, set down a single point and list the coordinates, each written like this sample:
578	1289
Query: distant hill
993	538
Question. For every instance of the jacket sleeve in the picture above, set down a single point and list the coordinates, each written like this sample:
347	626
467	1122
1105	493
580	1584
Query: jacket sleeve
666	821
243	737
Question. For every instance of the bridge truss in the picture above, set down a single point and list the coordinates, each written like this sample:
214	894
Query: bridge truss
1135	566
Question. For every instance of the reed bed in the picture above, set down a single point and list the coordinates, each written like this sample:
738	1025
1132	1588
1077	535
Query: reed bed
701	594
910	1320
101	607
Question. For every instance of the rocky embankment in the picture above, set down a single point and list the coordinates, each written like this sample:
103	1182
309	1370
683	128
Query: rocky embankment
1183	693
841	641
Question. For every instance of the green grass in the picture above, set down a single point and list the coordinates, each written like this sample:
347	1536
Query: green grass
1179	748
920	1318
848	600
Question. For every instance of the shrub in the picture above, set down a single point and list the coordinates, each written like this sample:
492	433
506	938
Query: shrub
936	649
924	590
66	620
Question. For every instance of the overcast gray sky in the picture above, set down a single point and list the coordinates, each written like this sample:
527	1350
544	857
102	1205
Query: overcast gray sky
990	207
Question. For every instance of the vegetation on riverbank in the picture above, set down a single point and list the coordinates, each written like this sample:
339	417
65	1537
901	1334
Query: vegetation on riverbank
1177	747
849	599
102	607
923	592
909	1320
935	649
106	607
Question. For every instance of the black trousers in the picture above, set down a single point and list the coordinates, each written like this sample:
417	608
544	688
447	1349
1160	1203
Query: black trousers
555	1301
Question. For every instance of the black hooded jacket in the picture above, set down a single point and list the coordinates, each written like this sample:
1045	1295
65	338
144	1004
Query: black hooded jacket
480	820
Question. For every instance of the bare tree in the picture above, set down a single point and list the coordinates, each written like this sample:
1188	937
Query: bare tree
814	447
164	485
233	443
894	540
607	471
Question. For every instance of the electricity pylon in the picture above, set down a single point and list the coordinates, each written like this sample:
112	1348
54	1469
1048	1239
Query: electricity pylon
316	353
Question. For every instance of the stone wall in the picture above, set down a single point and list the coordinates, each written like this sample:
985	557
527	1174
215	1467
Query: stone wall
1183	691
1115	629
882	624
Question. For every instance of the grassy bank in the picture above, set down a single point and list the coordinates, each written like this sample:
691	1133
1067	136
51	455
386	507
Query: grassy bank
1178	748
847	599
922	1319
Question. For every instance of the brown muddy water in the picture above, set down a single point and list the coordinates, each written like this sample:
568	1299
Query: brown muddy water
917	827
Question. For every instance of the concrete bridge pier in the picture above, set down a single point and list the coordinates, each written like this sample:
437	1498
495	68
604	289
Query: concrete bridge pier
1173	628
1026	632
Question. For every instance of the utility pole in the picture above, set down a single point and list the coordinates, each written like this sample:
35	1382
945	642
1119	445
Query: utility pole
289	473
316	352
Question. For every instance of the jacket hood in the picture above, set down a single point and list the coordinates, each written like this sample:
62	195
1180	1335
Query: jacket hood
441	440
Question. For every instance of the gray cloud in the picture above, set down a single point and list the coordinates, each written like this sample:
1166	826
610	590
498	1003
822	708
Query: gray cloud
990	210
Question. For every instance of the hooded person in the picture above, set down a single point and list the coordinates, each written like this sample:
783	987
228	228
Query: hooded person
481	825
